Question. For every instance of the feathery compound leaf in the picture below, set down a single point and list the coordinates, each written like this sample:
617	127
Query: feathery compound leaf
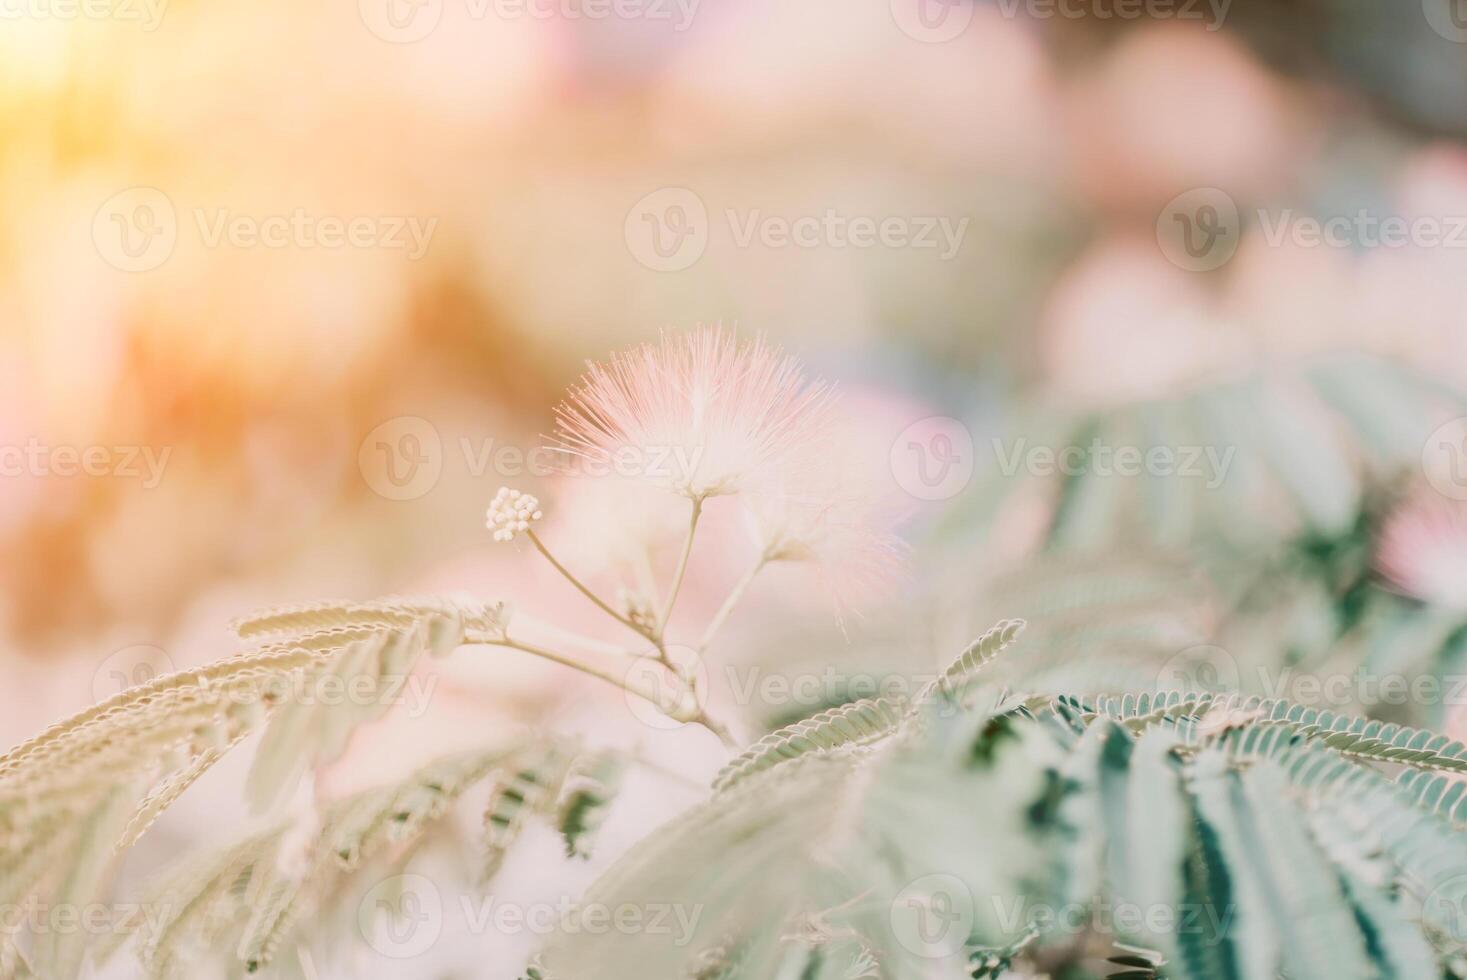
586	793
1446	796
847	727
850	727
531	787
980	653
378	646
252	896
1321	937
1360	738
394	612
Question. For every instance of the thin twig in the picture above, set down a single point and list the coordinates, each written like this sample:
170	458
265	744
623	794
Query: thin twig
725	610
682	567
540	545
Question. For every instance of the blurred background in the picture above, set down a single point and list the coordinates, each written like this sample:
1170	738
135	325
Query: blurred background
288	290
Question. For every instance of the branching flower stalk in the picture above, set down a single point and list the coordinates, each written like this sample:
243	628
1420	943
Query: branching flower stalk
511	514
708	415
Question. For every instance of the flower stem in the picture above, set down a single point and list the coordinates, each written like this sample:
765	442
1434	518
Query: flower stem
736	594
540	546
620	675
682	567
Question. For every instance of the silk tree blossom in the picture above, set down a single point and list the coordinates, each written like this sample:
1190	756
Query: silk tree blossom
701	414
823	509
1423	550
511	512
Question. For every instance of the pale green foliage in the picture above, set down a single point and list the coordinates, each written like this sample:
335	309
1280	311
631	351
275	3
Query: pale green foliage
1188	804
251	897
74	795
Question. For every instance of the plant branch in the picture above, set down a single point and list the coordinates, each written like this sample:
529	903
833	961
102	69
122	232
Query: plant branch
724	611
540	546
619	674
682	567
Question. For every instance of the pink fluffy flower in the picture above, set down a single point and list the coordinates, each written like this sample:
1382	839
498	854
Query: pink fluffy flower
841	527
700	414
1423	550
827	506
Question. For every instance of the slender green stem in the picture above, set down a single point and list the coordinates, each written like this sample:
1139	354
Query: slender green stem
540	546
725	610
682	567
719	729
619	674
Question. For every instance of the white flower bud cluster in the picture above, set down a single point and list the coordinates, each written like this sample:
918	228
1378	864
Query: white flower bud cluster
512	512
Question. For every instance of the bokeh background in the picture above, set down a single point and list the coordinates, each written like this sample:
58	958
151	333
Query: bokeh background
297	275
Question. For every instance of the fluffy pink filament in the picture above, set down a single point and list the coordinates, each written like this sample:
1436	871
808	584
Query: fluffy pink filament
1423	550
700	413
